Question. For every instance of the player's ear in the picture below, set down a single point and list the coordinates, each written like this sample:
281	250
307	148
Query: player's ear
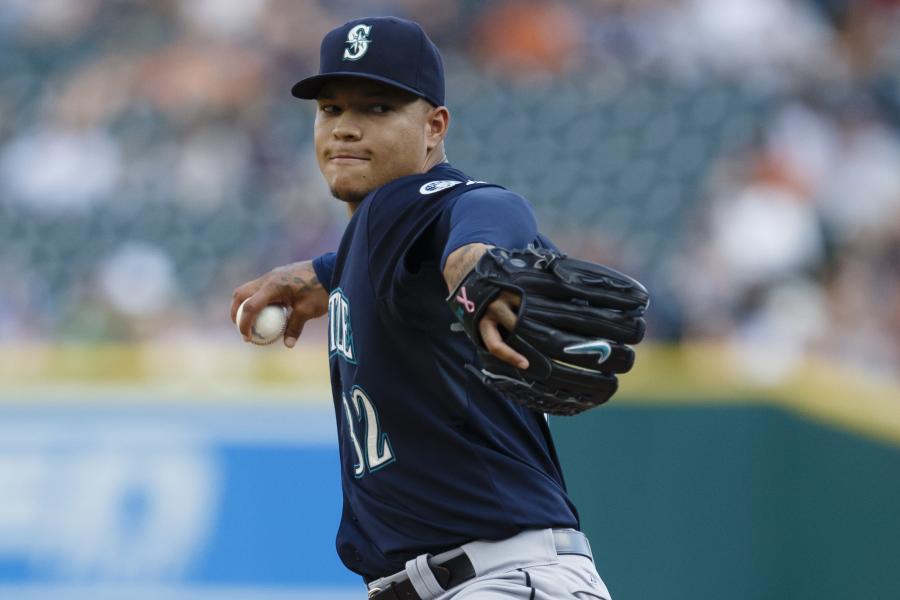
436	123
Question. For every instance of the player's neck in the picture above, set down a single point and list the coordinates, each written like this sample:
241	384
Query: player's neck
434	157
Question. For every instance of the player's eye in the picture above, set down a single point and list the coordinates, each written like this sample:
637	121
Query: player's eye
381	108
331	109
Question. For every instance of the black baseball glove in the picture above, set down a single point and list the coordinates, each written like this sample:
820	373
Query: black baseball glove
573	325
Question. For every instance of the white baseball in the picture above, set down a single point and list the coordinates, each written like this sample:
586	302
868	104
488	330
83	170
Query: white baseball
269	326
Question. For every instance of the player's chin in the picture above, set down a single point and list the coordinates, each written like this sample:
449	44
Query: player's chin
349	187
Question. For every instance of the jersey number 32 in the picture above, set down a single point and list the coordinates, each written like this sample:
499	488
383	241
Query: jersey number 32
377	452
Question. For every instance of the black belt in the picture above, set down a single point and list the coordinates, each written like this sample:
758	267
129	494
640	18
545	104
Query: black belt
458	569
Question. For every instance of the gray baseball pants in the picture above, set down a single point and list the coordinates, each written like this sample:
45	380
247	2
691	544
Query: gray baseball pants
523	567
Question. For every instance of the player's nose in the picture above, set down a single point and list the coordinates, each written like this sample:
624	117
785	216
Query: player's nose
346	130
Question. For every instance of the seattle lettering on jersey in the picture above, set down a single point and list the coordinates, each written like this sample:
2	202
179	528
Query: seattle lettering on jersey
340	335
371	446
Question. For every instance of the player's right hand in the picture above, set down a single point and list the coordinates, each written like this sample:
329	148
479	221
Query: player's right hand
294	286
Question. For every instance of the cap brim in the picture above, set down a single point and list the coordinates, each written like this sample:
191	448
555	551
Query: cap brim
308	89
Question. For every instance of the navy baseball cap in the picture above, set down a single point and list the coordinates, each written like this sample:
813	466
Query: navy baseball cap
386	49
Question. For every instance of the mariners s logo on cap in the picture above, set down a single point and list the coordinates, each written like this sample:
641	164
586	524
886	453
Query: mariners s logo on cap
357	42
402	57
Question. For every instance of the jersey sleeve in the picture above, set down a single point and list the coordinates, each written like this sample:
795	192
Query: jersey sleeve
324	268
493	216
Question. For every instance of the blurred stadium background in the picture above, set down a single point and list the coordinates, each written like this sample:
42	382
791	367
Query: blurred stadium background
741	157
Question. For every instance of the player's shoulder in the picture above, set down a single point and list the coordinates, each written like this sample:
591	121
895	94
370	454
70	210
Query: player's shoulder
431	184
429	192
415	200
491	193
441	181
490	200
457	193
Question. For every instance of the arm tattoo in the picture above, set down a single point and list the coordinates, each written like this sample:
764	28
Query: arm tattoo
462	261
305	285
297	277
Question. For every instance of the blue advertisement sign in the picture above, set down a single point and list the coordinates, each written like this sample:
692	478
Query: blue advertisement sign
172	501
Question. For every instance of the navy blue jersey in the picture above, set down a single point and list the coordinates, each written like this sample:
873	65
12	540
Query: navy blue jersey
430	457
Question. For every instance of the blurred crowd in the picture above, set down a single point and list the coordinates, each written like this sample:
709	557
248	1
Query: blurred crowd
742	157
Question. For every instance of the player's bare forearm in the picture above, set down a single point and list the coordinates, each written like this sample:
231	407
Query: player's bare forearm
299	278
294	286
501	313
461	261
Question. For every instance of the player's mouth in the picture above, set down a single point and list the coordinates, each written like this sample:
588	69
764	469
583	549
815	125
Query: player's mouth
347	159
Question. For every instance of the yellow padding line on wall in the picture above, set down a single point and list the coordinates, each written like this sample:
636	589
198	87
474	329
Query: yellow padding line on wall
233	373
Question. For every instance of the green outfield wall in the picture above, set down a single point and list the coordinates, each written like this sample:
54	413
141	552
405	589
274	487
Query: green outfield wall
733	499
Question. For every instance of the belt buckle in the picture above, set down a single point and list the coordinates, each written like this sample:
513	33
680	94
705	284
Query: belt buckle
374	592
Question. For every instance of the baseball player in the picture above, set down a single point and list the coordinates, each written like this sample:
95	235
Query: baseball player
453	326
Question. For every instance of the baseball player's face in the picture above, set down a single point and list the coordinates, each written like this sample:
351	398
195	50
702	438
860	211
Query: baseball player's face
368	134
